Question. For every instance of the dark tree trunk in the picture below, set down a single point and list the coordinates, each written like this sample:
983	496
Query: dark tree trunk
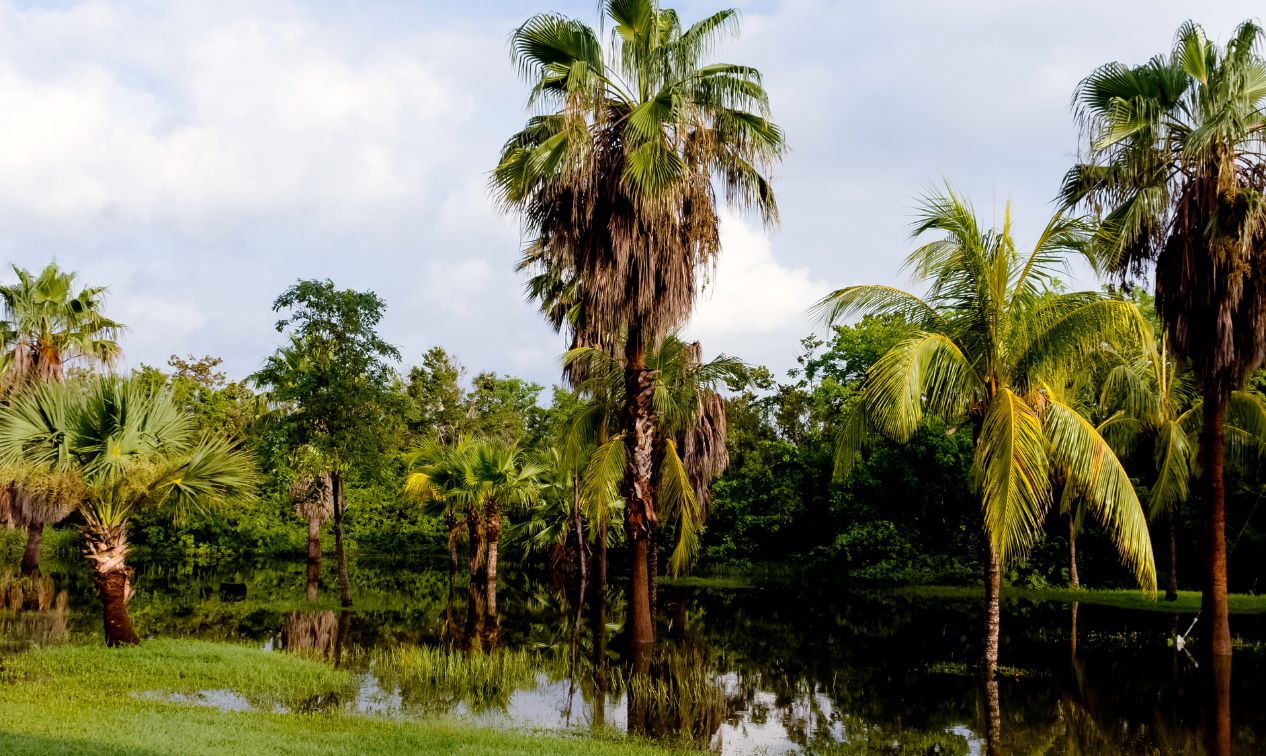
1214	600
476	547
993	609
31	555
639	512
1171	592
1217	700
652	570
578	527
115	588
340	506
314	556
1073	579
1072	630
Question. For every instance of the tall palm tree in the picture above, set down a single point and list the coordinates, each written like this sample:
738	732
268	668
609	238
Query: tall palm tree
111	449
986	336
47	325
1174	161
1152	400
616	181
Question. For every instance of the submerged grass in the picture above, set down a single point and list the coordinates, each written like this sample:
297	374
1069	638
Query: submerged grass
90	699
436	678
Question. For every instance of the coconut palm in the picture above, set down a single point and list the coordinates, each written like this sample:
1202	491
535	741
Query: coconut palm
616	181
111	449
985	337
47	325
1174	161
1152	400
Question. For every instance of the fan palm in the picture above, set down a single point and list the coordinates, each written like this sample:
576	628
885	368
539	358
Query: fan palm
1174	162
47	325
313	497
987	334
109	450
615	182
501	476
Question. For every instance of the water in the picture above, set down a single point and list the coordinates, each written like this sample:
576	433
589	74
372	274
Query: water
769	671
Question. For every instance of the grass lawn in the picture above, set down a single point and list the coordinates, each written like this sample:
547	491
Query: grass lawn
84	699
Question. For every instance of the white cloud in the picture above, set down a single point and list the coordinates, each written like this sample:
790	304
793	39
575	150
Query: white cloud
753	299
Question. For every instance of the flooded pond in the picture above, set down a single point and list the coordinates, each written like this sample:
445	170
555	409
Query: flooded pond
739	671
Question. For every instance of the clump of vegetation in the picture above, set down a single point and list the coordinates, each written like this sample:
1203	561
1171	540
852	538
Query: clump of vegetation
437	678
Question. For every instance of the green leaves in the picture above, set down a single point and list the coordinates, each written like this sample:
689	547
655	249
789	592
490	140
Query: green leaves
1096	475
927	371
1012	474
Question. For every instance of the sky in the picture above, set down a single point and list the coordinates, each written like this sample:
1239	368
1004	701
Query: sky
199	157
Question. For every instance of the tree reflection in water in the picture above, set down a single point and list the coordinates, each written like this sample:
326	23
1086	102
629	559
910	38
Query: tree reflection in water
743	670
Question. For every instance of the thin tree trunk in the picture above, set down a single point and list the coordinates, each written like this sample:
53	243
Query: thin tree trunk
1171	593
476	546
491	625
993	713
578	527
451	521
1072	553
31	555
639	512
993	609
314	556
340	507
1214	601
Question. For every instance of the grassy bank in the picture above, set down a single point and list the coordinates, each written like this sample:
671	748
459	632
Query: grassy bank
90	699
1188	601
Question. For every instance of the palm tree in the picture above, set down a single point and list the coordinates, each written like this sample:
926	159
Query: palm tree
501	477
616	183
1173	160
1152	399
46	326
109	450
990	330
688	443
313	497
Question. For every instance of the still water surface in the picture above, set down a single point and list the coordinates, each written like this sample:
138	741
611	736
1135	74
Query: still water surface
740	671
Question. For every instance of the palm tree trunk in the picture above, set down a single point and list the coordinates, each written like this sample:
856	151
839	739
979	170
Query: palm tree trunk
451	521
1171	592
639	512
476	546
107	549
344	583
652	570
578	527
1214	600
1072	553
493	527
31	555
314	556
993	609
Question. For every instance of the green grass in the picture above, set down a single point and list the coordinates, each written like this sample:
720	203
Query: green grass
83	699
1188	601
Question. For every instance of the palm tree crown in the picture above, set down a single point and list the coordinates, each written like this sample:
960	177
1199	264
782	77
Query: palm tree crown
986	342
47	325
